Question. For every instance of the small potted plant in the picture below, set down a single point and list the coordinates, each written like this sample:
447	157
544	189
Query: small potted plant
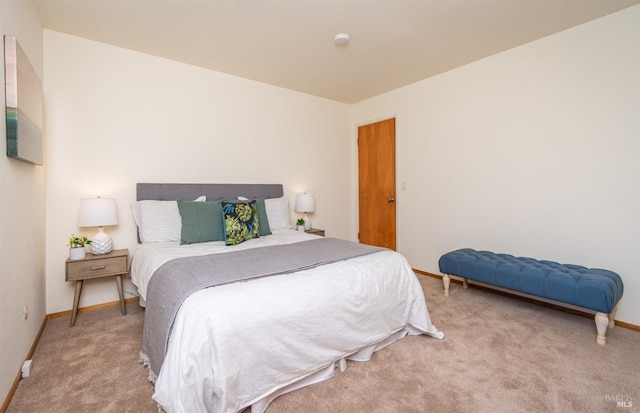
300	224
76	246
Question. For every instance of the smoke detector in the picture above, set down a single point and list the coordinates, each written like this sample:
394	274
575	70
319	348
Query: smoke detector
341	39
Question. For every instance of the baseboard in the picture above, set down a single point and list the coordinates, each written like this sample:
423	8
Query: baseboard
429	274
628	326
531	299
92	308
32	350
47	317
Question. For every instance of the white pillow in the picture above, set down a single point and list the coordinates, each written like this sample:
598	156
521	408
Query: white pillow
278	212
159	221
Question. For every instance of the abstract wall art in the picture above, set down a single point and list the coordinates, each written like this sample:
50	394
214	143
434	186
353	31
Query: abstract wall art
23	105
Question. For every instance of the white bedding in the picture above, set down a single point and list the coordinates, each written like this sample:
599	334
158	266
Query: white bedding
242	344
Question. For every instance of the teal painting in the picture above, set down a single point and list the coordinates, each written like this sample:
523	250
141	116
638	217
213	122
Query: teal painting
23	105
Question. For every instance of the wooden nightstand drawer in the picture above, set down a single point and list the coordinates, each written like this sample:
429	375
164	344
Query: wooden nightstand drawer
95	266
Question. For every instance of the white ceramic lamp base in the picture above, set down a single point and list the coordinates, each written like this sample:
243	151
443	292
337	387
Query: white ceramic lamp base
101	243
307	222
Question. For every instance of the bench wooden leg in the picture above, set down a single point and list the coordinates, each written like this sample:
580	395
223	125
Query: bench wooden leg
602	321
445	281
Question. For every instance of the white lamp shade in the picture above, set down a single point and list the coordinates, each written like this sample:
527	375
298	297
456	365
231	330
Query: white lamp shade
97	212
305	203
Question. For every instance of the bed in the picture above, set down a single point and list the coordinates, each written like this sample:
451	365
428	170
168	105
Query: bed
313	304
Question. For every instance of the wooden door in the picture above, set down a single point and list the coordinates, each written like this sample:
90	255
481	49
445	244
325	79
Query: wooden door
377	183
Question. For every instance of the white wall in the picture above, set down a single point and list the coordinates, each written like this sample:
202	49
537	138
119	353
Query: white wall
21	217
116	117
534	151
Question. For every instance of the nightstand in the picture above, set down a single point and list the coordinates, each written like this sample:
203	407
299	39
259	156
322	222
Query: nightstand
113	264
316	231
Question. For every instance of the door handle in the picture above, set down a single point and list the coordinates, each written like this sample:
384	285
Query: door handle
391	199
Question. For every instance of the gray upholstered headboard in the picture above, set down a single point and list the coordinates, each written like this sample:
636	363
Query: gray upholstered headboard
214	192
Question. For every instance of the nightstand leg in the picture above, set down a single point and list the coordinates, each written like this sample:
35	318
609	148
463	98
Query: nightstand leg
123	307
76	300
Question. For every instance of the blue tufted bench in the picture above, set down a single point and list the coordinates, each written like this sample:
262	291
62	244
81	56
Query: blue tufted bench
594	289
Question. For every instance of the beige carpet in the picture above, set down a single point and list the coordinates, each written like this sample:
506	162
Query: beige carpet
500	354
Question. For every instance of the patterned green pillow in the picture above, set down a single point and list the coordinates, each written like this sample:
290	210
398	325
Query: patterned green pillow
265	229
241	221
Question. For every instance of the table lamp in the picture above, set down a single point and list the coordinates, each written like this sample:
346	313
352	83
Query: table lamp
98	212
305	203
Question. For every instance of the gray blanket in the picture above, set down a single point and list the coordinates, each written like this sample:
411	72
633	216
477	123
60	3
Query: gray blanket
177	279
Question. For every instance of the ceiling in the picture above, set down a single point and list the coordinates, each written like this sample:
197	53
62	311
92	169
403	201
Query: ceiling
290	43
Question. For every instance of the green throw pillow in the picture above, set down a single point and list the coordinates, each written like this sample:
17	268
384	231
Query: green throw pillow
241	221
200	222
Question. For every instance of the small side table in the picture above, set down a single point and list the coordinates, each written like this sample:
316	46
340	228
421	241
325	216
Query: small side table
316	231
113	264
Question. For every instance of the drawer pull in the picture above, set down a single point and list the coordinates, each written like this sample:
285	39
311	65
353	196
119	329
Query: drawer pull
101	267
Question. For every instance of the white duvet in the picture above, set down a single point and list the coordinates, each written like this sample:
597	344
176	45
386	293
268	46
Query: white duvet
245	343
